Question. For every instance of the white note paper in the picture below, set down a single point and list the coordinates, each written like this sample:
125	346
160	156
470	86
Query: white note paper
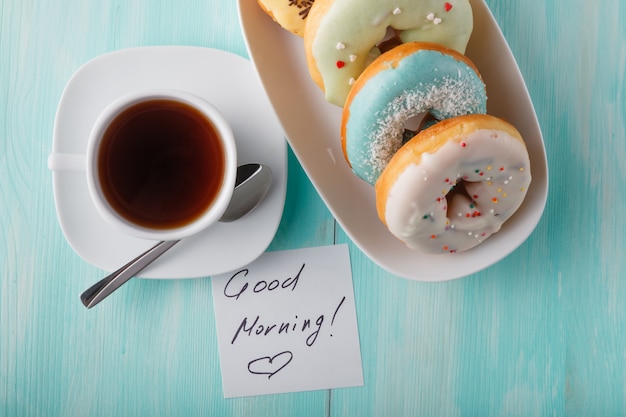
287	322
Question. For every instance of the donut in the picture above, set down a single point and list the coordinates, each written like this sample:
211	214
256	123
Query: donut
410	79
290	14
340	36
454	184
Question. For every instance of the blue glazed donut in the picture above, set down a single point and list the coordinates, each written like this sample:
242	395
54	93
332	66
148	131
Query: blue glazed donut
410	79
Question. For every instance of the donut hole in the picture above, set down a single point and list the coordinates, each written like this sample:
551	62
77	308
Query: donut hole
458	190
415	124
459	194
390	41
461	202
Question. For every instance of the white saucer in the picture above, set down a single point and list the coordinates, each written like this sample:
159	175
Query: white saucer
231	84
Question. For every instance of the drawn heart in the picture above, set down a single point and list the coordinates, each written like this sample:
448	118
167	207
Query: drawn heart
270	366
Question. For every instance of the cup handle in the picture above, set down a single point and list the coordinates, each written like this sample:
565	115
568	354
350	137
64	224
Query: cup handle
67	162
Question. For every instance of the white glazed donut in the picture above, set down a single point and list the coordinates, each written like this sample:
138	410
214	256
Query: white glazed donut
454	184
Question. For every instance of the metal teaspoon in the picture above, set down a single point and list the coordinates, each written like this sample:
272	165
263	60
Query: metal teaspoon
252	184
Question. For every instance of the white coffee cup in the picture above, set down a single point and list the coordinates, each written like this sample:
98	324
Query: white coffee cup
150	156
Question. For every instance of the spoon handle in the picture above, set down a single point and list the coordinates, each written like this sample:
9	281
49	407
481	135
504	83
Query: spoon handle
103	288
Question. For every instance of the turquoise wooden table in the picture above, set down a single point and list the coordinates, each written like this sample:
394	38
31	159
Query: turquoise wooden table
543	332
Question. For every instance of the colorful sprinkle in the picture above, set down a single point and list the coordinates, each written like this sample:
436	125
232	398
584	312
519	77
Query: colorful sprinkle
463	144
495	200
351	81
433	236
430	16
397	11
436	21
340	64
448	7
352	58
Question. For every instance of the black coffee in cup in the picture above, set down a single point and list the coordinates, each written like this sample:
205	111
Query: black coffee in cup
160	163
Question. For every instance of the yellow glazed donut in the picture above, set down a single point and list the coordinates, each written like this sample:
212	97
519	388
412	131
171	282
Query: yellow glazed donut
290	14
340	36
454	184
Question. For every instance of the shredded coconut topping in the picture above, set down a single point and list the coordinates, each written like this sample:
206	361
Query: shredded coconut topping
451	97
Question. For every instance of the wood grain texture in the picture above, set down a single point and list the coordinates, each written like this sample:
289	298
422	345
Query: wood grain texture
541	333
